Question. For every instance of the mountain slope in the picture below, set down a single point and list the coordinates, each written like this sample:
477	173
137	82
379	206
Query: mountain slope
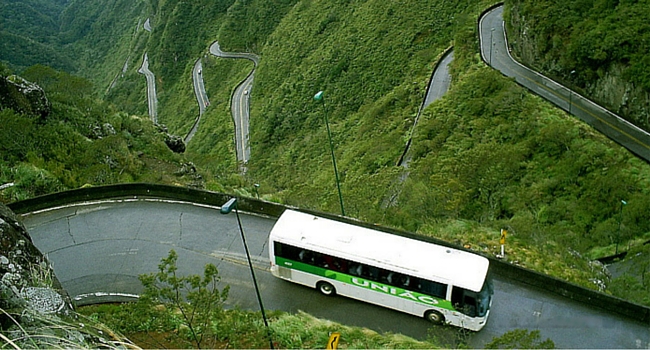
29	34
486	156
598	46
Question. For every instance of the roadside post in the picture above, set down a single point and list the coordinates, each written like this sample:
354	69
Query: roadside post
333	341
502	241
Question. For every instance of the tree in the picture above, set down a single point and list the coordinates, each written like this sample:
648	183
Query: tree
196	298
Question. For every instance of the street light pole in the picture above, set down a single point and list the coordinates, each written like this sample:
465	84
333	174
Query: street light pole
620	219
491	44
319	97
226	209
571	95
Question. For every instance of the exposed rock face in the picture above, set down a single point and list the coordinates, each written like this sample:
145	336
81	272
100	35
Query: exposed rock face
175	143
100	131
41	313
26	278
23	97
609	88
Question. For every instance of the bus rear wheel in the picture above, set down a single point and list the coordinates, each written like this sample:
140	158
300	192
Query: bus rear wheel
326	288
434	317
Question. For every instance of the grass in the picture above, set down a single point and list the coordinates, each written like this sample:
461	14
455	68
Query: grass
632	246
547	257
245	329
27	328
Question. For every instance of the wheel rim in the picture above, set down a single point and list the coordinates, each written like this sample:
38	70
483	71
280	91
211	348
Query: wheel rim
434	317
326	288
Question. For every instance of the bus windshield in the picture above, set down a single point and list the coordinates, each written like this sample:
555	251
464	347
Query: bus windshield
483	298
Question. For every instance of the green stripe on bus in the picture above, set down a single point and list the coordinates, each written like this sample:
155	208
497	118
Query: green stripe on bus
364	283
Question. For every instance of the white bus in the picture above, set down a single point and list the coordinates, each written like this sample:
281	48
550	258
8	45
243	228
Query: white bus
441	284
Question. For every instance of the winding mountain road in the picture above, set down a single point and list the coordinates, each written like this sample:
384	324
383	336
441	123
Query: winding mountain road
201	97
239	103
97	262
495	53
151	89
438	86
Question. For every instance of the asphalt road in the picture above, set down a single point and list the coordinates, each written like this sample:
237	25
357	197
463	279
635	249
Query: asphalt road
239	104
440	80
201	97
98	250
151	89
147	25
495	52
438	86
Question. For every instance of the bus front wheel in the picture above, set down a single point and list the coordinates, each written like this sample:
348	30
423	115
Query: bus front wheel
326	288
434	317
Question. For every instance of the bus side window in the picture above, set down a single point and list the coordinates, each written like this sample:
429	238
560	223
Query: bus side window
277	249
457	297
373	273
404	281
385	276
286	251
355	269
307	257
340	265
435	289
391	278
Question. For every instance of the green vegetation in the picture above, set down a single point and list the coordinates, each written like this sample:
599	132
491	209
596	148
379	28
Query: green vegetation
28	32
520	339
487	156
592	35
487	153
187	312
597	46
196	298
34	330
82	141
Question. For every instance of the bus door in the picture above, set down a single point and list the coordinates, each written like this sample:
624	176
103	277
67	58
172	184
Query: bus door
464	301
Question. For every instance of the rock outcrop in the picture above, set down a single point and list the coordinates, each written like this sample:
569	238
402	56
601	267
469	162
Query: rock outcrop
175	143
609	86
35	312
23	97
26	277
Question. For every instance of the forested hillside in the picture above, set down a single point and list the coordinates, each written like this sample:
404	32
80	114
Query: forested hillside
29	34
598	46
77	140
489	155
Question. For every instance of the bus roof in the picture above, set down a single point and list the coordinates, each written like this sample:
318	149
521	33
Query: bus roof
401	254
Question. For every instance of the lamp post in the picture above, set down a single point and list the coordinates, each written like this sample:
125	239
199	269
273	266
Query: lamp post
620	219
226	209
256	191
491	44
571	95
319	97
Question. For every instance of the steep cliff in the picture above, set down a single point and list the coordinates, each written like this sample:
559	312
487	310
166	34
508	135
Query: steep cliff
35	311
23	96
596	47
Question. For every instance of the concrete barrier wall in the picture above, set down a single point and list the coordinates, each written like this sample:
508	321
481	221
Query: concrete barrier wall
537	280
141	190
